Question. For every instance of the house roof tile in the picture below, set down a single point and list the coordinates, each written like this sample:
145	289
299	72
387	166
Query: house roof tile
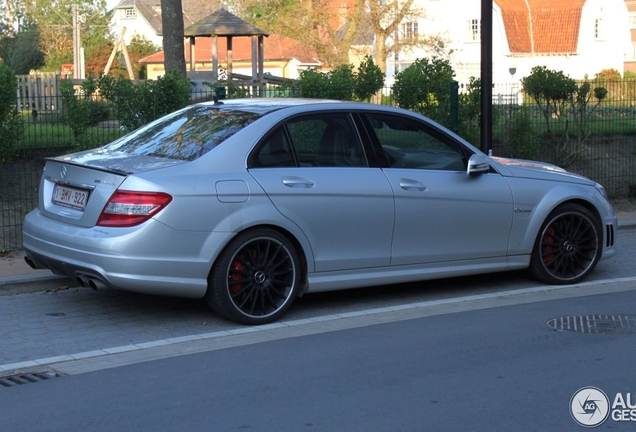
542	26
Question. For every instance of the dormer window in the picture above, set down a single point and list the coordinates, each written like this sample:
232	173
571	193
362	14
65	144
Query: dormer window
128	13
599	28
473	30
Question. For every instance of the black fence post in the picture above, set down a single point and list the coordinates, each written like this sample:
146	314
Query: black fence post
454	106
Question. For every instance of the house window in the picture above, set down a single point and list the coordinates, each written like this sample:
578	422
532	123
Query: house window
473	30
129	13
631	56
401	66
465	71
599	28
409	30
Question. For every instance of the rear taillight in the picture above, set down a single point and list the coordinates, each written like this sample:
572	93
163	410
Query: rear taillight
127	208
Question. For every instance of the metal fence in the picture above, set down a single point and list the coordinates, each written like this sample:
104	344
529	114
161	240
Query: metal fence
607	153
39	92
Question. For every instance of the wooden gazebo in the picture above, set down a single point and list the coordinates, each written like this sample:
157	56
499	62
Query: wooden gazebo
225	24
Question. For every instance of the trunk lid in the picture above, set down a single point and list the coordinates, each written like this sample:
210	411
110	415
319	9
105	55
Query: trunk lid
75	188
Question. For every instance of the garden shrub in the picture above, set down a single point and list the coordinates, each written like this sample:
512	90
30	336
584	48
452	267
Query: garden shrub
424	87
563	103
11	123
341	83
134	105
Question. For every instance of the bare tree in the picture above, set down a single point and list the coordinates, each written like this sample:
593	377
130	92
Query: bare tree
173	38
54	24
332	28
385	19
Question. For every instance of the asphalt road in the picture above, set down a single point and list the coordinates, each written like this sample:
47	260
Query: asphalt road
473	353
487	367
76	321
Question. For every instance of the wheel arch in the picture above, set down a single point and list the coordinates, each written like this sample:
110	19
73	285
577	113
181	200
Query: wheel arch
565	252
298	248
549	203
547	212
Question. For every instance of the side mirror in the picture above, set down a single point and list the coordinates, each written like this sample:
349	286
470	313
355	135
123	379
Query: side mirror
478	164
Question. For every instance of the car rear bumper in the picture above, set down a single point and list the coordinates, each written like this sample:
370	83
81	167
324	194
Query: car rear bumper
130	259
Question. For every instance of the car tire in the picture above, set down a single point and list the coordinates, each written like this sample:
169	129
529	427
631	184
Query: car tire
568	246
255	279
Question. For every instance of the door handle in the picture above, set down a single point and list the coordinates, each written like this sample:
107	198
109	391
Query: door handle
297	182
409	185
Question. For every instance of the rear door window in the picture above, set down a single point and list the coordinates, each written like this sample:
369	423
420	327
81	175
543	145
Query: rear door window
186	135
326	140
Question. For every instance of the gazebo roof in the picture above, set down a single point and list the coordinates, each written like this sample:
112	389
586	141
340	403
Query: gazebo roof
222	23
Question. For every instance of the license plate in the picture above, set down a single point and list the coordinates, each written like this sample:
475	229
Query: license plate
70	197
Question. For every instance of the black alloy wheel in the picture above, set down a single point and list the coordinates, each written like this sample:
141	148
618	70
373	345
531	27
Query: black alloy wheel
255	279
568	246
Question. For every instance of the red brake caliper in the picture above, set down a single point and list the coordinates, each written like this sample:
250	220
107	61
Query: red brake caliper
235	275
548	240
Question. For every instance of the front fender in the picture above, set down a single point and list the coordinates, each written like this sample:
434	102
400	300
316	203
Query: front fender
535	200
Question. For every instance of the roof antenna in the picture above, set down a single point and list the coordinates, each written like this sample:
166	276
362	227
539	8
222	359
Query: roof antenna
217	101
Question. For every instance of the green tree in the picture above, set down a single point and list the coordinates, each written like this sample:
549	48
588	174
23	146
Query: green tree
11	124
523	142
6	34
562	102
138	104
82	108
470	112
341	83
54	21
424	87
138	48
551	90
311	84
24	53
369	79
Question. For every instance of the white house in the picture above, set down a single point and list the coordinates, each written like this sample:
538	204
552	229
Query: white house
630	59
143	17
578	37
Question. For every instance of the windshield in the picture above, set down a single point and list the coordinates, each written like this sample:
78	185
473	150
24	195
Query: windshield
186	134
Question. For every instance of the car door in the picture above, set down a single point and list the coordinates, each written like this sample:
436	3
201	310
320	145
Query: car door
442	213
315	171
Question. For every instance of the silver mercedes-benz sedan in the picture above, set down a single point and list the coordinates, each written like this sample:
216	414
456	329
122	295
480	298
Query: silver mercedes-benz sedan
250	203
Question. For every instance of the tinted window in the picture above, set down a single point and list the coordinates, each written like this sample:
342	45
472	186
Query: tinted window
185	135
408	143
275	151
326	140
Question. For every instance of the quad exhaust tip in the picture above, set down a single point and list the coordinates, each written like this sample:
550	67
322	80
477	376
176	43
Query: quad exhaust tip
86	281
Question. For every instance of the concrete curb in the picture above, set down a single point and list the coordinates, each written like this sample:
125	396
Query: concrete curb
43	280
29	283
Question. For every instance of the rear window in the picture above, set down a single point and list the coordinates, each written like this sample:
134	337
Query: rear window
185	135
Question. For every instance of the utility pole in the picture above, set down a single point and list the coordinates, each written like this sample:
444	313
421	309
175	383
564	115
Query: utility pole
78	63
486	76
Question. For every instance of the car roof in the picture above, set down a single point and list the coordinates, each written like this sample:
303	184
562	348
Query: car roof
268	105
272	101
